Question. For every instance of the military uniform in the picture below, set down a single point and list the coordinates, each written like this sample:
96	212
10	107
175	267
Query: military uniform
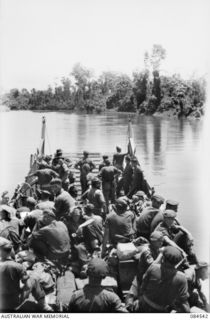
107	175
11	273
137	181
96	197
118	159
120	224
161	287
45	176
95	299
166	231
85	166
64	202
51	241
143	223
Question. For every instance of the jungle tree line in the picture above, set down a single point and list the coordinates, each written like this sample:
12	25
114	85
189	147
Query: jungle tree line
146	92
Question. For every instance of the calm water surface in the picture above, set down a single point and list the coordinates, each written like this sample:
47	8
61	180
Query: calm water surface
169	152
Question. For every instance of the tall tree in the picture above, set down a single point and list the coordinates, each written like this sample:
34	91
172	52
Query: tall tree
157	55
82	77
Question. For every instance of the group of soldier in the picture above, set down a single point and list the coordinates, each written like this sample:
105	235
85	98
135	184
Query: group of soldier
55	229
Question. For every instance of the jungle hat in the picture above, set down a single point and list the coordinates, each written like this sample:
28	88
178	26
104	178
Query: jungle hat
121	204
97	268
125	198
171	204
172	255
157	198
169	214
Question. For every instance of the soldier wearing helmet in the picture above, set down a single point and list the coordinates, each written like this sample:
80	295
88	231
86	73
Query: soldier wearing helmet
120	222
149	254
11	273
143	223
164	288
94	297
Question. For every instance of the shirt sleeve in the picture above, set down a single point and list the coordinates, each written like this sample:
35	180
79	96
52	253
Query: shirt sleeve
116	303
182	289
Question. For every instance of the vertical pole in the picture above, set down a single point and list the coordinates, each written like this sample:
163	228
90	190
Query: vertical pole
131	145
31	160
42	149
130	133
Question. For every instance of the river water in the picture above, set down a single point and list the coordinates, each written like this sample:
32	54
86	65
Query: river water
169	151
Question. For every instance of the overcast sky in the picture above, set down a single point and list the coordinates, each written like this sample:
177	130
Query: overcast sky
42	39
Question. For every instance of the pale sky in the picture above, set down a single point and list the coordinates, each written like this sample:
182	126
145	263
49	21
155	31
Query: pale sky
42	39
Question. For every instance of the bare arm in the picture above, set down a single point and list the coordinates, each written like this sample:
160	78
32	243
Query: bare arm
105	240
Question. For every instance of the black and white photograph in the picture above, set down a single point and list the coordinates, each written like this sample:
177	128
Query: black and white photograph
104	162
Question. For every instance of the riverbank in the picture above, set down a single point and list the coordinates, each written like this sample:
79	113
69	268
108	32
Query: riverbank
173	113
144	93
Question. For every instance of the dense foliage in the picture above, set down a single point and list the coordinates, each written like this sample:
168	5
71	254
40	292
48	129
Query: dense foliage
147	92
